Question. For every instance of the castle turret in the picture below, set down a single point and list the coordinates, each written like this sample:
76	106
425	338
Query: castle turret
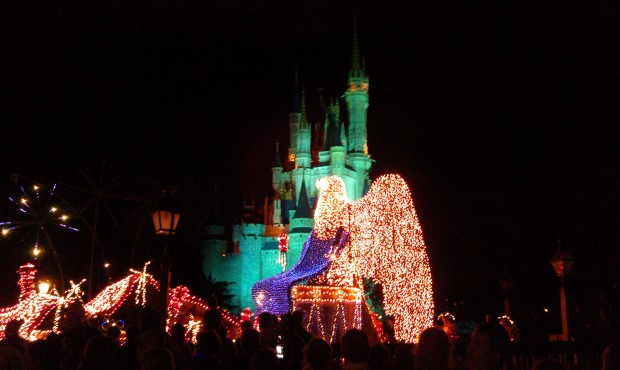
251	242
294	119
357	101
276	170
219	259
303	156
357	105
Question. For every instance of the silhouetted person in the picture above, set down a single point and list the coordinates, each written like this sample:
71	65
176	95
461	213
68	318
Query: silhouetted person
355	349
100	353
264	359
268	330
12	338
548	364
151	339
208	350
74	341
11	359
317	355
246	324
43	354
489	346
298	328
431	352
128	355
293	344
403	357
378	355
611	357
150	319
249	344
157	359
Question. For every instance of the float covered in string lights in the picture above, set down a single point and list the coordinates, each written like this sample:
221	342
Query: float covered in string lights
184	308
331	311
273	293
112	297
386	245
34	307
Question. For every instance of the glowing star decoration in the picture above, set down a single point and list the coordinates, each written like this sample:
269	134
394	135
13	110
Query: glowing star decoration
386	245
283	246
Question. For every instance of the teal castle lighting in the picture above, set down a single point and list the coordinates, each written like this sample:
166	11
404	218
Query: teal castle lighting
316	150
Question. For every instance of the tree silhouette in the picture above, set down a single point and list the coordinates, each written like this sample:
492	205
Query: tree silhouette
209	287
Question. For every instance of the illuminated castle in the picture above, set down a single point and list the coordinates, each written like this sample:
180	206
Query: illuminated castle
316	150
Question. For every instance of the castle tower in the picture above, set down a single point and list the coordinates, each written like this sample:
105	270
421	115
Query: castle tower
294	119
357	104
315	150
357	101
303	157
301	226
276	183
218	259
251	242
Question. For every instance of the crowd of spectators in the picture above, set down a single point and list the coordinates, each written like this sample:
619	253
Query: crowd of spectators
279	343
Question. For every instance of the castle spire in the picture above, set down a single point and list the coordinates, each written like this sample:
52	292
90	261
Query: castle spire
277	162
296	98
303	205
356	97
356	66
304	117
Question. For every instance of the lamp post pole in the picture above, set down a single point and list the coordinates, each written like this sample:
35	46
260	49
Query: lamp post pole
506	283
562	263
165	219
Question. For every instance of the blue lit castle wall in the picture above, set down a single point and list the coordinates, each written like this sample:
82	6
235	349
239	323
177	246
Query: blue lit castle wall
328	146
221	260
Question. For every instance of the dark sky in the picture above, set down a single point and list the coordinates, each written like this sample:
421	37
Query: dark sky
502	117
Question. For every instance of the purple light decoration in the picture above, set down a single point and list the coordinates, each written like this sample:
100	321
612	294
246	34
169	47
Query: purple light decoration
273	294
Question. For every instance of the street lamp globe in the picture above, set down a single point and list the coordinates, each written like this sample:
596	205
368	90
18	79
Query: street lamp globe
166	215
562	263
44	287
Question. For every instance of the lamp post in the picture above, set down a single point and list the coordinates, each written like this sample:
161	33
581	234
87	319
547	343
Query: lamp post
506	282
165	220
562	263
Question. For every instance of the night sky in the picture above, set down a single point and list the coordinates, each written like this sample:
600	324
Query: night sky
502	118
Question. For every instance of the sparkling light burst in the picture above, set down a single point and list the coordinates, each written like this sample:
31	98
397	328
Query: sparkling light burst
40	210
386	245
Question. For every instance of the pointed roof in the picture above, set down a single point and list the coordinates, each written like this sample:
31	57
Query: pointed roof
303	205
296	93
277	162
304	117
357	64
333	126
355	59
